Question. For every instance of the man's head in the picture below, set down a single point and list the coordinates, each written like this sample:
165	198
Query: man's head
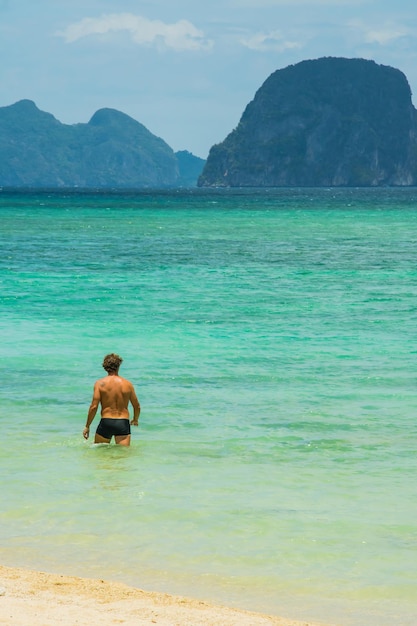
112	362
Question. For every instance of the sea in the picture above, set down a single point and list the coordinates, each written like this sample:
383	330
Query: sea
271	338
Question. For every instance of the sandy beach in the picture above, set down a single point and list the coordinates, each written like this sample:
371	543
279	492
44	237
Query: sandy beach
42	599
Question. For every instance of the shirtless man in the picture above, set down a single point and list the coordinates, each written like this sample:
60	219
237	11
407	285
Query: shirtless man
114	394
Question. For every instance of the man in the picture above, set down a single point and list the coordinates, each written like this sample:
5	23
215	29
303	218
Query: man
114	394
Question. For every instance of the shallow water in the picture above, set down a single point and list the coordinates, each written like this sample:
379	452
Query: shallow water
270	336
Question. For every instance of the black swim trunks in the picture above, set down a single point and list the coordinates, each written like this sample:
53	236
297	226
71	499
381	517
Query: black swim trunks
110	426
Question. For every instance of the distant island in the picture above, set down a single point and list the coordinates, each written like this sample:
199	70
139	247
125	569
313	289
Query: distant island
320	123
111	151
325	122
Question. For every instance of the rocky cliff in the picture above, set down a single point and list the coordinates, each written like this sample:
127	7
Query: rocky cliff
324	122
112	150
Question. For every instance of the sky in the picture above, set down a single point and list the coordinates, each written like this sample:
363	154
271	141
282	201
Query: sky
185	69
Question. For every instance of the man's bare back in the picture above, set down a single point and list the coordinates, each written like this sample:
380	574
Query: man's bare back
114	393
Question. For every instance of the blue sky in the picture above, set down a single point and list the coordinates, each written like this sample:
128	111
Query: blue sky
185	69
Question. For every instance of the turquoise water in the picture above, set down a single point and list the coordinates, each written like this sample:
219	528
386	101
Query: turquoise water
271	339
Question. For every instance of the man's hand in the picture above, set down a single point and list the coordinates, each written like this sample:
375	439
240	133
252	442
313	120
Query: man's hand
86	432
134	423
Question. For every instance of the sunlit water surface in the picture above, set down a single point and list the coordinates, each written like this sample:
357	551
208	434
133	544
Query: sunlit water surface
271	339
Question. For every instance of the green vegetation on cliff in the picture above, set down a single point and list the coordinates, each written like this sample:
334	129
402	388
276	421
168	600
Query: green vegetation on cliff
325	122
112	150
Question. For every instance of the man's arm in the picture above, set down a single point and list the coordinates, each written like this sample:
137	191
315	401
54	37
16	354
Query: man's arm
136	407
92	410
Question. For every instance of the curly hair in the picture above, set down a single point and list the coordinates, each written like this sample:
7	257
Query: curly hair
112	362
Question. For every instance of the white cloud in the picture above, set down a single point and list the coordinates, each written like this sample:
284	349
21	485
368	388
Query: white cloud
385	36
382	35
181	35
269	41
